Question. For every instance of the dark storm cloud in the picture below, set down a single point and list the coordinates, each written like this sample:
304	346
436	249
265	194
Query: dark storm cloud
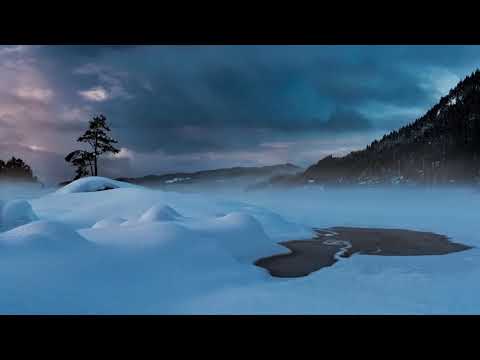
355	83
219	91
346	120
224	89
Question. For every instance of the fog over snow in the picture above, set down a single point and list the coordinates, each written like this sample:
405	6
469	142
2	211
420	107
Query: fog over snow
135	250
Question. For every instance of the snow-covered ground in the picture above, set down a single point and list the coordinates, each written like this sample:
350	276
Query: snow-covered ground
134	250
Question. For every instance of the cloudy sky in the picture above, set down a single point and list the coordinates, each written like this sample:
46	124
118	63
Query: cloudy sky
183	108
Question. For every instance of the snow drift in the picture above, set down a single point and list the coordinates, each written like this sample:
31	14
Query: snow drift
93	183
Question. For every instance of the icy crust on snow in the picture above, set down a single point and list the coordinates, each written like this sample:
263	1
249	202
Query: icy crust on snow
15	213
93	183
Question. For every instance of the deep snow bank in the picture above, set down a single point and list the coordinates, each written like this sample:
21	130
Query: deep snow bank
93	183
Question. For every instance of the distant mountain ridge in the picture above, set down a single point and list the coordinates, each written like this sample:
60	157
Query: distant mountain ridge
442	146
217	177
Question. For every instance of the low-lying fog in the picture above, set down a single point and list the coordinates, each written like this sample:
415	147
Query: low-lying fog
13	190
432	209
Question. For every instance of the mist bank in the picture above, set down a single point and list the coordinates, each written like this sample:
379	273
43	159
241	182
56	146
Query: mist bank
16	189
436	209
212	180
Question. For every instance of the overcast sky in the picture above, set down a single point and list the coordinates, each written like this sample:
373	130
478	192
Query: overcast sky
183	108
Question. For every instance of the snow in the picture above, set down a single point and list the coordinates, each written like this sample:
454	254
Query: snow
160	213
93	183
175	180
109	221
234	233
137	236
452	101
43	235
15	213
136	250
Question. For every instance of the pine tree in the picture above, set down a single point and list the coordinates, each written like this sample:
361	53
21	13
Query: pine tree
100	143
83	161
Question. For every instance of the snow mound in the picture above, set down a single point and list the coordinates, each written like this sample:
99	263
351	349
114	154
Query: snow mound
16	213
160	213
93	183
241	235
140	236
276	226
44	235
107	222
241	220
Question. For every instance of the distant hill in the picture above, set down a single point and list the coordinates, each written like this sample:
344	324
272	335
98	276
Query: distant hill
218	178
441	147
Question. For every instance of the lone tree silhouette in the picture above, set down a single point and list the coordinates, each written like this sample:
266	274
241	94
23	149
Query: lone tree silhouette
96	136
83	160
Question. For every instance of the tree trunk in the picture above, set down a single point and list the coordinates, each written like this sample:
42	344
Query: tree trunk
95	153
